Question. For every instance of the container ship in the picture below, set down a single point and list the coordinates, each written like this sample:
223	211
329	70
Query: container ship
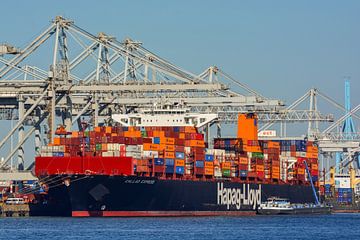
157	163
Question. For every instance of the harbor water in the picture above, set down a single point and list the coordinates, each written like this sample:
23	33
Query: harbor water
341	226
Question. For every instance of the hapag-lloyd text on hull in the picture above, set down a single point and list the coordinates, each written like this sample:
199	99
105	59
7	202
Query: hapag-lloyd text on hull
237	196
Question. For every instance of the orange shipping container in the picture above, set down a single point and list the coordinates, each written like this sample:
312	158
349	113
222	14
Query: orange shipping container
275	175
259	168
225	165
169	155
247	126
251	148
168	141
97	129
311	155
151	147
273	144
160	134
56	141
209	171
195	143
301	171
209	164
142	168
179	162
108	129
181	135
312	149
190	129
162	147
136	134
243	160
170	148
104	147
275	169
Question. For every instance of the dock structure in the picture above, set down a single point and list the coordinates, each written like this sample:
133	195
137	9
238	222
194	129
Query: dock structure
16	210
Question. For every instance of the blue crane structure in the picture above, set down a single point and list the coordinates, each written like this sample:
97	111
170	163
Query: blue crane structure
348	128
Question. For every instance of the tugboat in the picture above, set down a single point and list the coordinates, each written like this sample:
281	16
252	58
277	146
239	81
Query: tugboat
274	205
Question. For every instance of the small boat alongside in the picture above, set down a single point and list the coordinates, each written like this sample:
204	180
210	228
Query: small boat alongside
274	206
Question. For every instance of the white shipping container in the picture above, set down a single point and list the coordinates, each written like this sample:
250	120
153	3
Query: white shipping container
219	152
150	154
217	172
342	182
187	150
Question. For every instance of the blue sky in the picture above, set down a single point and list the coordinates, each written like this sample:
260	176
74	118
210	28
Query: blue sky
280	48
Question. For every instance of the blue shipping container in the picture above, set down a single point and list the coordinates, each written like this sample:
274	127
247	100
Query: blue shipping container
199	164
156	140
169	162
176	129
58	154
209	157
344	190
180	170
169	169
158	161
243	173
179	155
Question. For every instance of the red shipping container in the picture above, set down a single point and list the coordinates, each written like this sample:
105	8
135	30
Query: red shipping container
147	140
180	142
159	169
199	171
179	148
243	167
314	172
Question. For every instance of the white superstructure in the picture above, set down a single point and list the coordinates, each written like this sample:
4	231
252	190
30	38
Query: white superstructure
164	117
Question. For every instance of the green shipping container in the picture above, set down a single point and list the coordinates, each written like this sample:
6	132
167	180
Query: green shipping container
226	172
98	147
257	155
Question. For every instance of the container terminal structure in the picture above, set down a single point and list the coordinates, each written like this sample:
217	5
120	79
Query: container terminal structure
94	76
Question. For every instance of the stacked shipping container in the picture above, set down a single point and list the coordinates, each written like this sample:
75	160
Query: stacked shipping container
176	152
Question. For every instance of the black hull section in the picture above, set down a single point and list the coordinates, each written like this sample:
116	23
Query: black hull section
144	196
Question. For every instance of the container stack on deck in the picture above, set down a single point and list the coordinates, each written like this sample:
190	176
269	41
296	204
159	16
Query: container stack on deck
180	152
